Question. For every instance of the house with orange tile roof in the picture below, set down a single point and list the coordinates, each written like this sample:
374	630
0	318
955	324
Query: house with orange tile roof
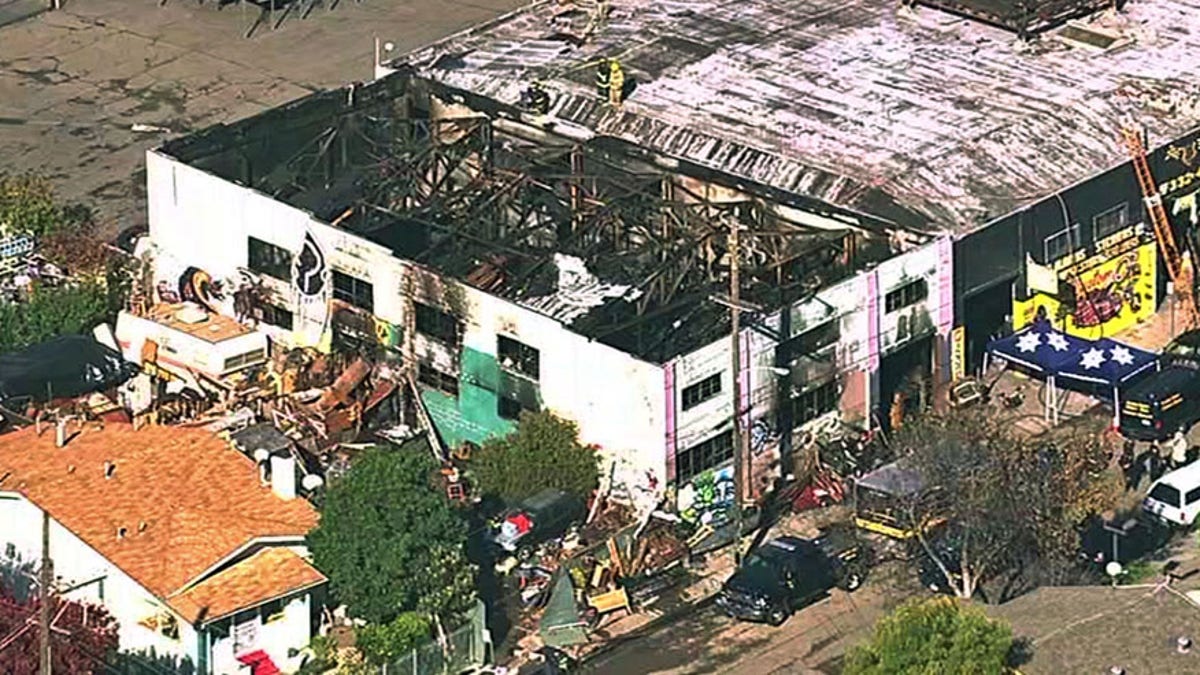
174	532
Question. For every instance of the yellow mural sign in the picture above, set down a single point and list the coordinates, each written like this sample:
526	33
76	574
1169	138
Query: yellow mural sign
1101	295
958	353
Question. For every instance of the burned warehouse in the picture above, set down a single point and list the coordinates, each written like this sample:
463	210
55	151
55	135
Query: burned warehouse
872	191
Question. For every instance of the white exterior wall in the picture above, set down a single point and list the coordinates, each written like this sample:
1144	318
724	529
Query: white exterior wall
75	562
200	220
290	631
931	315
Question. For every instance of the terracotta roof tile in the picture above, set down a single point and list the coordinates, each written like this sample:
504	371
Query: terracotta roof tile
266	575
185	498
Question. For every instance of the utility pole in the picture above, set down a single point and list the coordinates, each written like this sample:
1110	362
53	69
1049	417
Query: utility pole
46	576
735	320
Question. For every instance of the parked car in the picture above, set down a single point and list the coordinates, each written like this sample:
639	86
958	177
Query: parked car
1161	404
788	573
1175	498
538	519
928	572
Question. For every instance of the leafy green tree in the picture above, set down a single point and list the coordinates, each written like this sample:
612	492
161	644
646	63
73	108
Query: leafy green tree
390	542
543	452
384	643
51	311
931	637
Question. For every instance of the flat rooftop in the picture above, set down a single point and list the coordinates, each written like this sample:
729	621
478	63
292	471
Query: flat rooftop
919	117
196	322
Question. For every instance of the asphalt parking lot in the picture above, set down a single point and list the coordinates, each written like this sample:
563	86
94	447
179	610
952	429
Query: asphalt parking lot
74	82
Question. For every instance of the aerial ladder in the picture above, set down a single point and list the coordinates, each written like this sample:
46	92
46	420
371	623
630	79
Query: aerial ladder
1179	265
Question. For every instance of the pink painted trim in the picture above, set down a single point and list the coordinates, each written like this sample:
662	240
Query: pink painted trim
744	376
872	321
669	392
945	280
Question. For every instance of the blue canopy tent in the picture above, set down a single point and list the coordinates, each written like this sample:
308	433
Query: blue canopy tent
1105	363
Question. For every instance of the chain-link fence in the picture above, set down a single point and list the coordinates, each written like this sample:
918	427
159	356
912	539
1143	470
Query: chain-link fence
466	646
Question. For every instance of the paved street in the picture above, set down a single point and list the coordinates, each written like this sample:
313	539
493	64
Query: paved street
73	82
709	642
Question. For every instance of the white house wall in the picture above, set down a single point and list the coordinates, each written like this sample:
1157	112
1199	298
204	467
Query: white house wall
77	563
197	219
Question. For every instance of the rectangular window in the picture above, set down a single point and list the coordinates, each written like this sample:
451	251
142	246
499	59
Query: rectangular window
353	291
268	259
815	339
517	357
435	378
908	294
1062	244
1191	497
274	315
271	611
245	360
436	324
511	408
1110	222
695	394
703	456
813	403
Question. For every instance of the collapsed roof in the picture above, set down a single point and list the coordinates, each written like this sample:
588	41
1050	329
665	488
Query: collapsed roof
620	244
915	116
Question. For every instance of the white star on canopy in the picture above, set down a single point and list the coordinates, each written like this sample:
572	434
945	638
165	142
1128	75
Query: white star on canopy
1121	355
1058	342
1093	358
1028	342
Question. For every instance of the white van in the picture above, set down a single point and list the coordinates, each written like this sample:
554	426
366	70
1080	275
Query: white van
1175	498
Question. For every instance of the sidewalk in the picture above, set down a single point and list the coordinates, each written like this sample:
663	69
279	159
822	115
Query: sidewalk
1154	333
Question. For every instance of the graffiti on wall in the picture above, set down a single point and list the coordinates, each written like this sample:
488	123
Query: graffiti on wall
311	278
1102	295
198	286
762	435
708	497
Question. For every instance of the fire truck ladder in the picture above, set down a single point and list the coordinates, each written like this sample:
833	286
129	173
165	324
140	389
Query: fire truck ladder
1179	269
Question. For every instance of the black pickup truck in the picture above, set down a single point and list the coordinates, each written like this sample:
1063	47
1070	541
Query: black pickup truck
787	573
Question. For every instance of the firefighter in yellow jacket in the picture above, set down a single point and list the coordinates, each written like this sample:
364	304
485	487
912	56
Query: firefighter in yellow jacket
616	83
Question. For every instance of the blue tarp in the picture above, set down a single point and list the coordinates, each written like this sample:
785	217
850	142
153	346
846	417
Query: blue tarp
1052	353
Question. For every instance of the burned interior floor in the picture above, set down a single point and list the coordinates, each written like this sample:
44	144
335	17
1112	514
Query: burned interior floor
599	234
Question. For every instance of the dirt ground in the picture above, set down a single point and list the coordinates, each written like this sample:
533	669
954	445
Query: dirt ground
73	82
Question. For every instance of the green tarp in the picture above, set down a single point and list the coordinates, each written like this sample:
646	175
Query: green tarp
561	624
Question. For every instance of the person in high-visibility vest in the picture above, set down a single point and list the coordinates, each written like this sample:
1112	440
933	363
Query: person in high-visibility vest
603	78
616	83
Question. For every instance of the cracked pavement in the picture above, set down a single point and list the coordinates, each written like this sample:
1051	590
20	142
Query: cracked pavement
74	81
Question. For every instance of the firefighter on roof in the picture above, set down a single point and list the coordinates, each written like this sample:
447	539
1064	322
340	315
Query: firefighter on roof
603	79
616	84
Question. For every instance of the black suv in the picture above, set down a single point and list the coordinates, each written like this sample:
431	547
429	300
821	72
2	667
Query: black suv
787	573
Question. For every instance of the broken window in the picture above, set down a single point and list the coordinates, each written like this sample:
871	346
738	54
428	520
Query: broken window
353	291
1110	222
695	394
430	376
517	357
811	404
703	456
274	315
815	339
436	324
908	294
268	259
510	407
